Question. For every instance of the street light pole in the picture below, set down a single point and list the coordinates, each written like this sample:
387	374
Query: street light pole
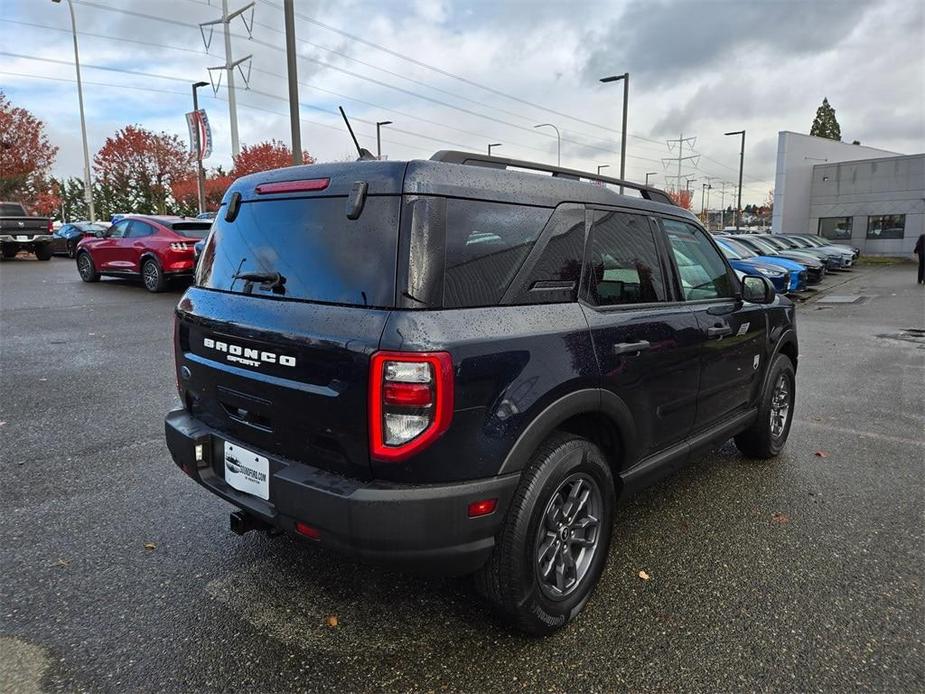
741	166
292	72
626	97
558	141
650	173
200	172
493	144
88	188
379	139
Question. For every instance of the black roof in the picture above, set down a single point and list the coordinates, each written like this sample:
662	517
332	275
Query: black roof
481	178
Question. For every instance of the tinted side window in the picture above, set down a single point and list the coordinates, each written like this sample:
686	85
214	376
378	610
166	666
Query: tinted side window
701	267
623	261
486	243
119	229
552	271
138	229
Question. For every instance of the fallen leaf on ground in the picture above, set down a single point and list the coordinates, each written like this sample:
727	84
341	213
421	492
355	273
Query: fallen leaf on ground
780	518
2	423
330	621
150	545
644	576
822	454
63	562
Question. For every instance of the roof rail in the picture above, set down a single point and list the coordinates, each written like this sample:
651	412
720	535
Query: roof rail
472	159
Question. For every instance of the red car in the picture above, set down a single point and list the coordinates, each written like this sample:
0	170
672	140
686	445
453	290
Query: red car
153	248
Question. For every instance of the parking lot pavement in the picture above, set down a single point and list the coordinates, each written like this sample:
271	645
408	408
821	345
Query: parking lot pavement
803	573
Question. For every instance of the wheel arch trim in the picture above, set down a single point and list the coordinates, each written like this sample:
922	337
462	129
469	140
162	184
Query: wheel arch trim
585	401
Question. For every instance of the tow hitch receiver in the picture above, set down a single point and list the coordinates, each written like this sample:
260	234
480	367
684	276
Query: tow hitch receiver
242	522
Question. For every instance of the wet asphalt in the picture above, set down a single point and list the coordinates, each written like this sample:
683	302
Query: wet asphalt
117	573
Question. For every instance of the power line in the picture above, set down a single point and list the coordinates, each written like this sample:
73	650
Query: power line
398	54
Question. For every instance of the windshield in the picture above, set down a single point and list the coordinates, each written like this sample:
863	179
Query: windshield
87	226
728	251
305	248
759	246
743	251
773	243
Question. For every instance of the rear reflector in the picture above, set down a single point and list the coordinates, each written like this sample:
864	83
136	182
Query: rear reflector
308	531
412	394
482	508
293	186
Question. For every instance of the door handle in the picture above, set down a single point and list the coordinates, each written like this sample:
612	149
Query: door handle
719	331
631	348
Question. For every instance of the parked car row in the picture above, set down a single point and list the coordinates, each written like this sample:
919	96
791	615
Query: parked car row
791	262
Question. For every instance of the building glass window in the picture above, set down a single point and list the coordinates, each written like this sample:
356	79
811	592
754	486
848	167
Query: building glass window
886	226
835	227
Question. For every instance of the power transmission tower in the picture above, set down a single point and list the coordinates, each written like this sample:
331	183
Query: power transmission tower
230	63
681	143
722	204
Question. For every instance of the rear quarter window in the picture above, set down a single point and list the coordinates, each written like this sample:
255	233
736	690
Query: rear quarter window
486	244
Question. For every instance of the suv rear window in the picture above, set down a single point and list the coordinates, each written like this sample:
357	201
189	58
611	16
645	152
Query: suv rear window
322	255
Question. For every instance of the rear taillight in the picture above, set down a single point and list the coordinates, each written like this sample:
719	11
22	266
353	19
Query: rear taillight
410	402
180	246
51	226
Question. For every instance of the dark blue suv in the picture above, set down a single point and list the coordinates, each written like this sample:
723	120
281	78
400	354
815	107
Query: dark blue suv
460	366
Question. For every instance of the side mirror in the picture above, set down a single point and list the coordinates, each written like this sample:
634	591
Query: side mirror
757	289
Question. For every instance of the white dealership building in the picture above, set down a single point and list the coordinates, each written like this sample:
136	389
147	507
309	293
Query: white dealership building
871	198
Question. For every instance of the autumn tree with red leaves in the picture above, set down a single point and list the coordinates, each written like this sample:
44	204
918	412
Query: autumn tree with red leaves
136	167
26	156
264	156
681	198
186	193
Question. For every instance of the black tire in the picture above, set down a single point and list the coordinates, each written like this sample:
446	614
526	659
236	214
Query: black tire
512	578
86	268
72	248
9	251
766	437
43	251
152	276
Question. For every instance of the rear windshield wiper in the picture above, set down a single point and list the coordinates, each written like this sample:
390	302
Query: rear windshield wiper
268	280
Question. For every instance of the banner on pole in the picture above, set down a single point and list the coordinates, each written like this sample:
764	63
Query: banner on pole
200	134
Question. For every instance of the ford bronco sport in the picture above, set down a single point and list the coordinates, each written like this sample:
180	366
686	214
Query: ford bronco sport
460	366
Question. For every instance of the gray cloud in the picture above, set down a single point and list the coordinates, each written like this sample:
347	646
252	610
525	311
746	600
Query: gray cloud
666	41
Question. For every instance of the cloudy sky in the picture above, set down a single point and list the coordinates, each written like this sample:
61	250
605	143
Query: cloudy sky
458	75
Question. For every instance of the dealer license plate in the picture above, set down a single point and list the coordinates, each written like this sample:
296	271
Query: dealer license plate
246	471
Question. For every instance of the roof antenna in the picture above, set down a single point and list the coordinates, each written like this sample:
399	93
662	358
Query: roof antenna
365	154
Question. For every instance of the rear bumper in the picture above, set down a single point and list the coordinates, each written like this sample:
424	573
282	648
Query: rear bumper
422	528
26	238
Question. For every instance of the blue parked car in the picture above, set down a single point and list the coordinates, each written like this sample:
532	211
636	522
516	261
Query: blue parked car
793	275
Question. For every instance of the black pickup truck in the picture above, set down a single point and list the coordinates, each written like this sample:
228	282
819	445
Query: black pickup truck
21	232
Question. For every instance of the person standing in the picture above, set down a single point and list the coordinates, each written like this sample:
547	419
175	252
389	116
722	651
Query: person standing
920	252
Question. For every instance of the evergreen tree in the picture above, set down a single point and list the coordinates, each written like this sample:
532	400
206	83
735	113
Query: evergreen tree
824	124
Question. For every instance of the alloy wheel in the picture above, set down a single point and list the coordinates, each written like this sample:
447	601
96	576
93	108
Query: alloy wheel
150	273
568	536
84	266
780	406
